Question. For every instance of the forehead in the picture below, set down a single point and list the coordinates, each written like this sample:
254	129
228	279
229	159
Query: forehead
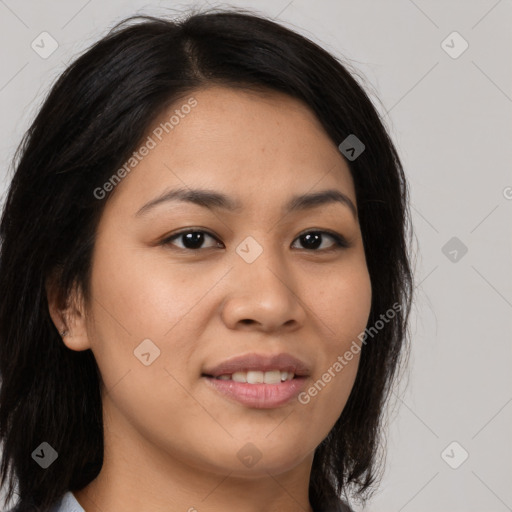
241	142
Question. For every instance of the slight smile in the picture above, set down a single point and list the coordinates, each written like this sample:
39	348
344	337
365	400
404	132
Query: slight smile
259	381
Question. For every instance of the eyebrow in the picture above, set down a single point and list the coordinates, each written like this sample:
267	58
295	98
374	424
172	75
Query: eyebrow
215	200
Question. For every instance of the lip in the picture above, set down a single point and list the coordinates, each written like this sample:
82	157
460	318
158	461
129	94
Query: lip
259	362
259	396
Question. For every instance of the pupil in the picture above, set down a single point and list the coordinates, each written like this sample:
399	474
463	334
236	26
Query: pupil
193	240
313	240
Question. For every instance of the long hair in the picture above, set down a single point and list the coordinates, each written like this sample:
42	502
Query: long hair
93	118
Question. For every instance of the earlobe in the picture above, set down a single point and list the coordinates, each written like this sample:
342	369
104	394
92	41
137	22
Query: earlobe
68	316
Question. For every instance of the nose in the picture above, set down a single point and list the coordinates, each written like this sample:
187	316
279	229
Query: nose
263	295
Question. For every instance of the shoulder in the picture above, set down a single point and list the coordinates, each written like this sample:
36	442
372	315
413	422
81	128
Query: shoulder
336	505
67	503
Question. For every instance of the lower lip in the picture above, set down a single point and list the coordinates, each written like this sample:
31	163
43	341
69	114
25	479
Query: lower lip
259	396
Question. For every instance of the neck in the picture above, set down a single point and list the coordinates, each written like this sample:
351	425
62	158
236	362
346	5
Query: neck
138	475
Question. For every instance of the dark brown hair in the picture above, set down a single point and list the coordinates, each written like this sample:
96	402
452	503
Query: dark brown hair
92	120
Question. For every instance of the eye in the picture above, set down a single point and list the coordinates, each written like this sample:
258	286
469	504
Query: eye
313	240
192	239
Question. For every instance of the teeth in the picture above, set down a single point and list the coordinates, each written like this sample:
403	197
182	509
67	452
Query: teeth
257	377
239	377
273	377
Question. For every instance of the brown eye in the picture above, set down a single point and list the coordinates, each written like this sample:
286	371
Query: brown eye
194	240
191	239
313	240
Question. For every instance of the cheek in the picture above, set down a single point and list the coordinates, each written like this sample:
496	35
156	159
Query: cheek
144	294
343	303
343	308
140	308
138	297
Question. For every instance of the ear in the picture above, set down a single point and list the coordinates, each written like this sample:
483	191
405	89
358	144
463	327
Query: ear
68	315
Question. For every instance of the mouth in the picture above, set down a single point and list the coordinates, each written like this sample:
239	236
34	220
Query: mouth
259	381
258	368
257	377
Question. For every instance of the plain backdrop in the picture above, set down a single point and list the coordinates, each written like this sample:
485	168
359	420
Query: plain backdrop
440	72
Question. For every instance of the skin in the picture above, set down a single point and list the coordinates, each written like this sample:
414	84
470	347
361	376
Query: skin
171	442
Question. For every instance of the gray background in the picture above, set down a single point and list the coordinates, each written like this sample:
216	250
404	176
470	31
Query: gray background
451	121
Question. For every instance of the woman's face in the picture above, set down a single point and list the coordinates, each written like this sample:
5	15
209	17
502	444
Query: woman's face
166	309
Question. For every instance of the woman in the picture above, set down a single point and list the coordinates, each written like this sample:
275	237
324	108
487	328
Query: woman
205	277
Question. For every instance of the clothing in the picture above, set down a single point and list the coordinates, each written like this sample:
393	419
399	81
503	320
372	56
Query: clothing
68	503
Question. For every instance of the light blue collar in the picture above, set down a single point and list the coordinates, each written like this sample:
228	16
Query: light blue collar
68	503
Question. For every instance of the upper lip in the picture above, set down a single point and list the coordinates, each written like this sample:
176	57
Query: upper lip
259	362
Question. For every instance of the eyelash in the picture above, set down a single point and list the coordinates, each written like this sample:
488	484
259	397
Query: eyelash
340	242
